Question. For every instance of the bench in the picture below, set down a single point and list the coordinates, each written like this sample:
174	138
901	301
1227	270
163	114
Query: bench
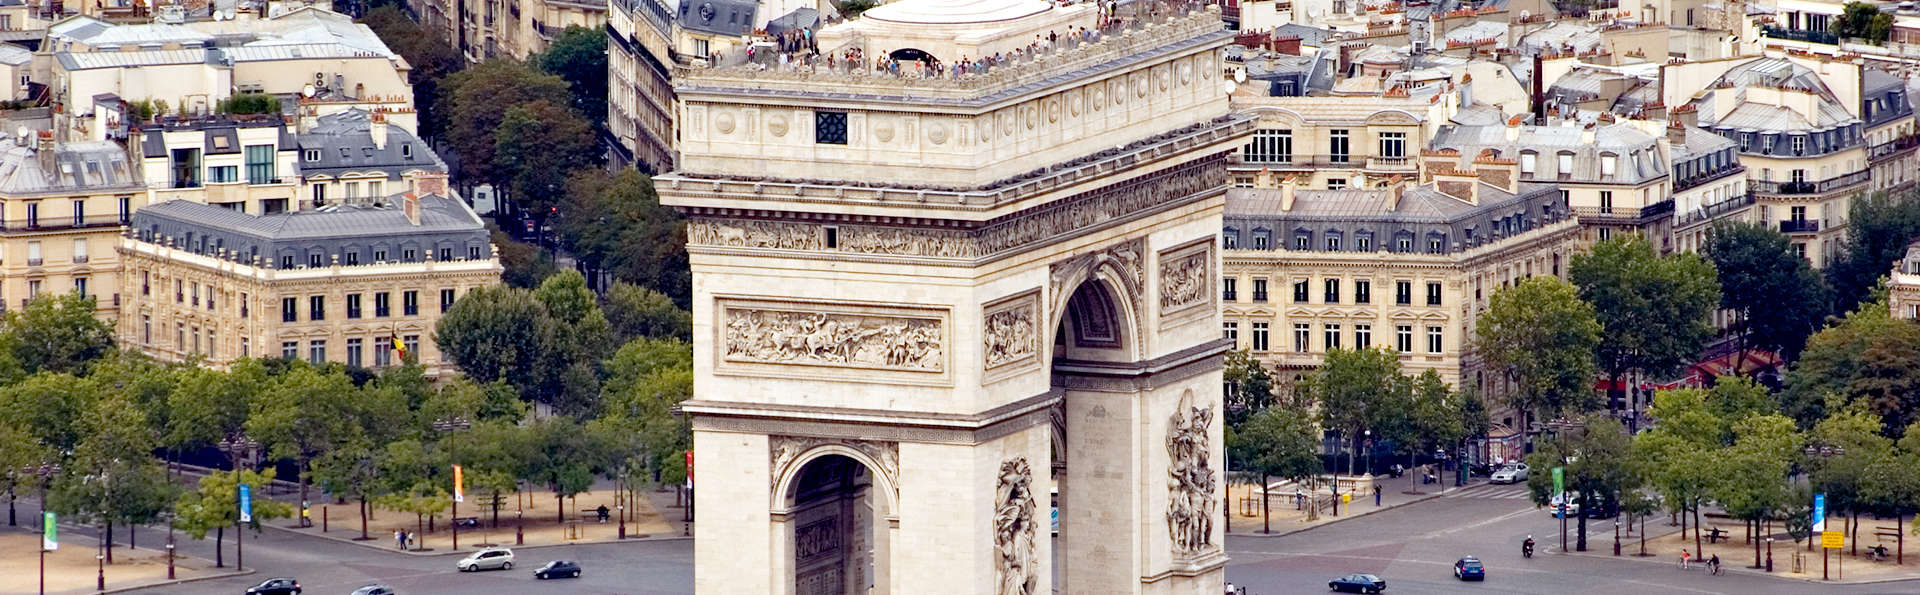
1715	534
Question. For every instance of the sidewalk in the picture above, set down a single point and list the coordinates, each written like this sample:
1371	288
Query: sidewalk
74	567
1664	544
1244	514
526	520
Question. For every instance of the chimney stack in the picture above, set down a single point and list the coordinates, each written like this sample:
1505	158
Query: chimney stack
410	203
1676	133
43	147
1287	188
378	129
1539	92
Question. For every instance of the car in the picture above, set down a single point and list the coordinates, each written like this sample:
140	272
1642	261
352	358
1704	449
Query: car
1469	569
1510	474
558	569
1572	505
487	559
374	590
276	586
1358	583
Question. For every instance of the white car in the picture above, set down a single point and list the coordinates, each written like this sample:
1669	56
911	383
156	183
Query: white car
498	558
1510	474
1560	501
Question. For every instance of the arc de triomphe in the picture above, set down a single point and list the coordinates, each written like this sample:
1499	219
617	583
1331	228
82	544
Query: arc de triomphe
923	304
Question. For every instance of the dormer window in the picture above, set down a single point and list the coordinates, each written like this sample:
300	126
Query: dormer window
313	155
1527	159
1565	163
406	150
1799	144
1609	164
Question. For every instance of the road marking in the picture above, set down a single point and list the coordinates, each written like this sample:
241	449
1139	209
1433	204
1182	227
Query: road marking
1519	569
1504	517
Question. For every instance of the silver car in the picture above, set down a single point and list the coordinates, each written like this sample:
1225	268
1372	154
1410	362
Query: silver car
1510	474
498	558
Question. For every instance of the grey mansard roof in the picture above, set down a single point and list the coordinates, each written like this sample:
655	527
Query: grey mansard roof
334	229
88	166
1638	153
345	145
1422	214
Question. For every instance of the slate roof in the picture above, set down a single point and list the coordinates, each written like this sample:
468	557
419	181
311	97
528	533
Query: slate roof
80	167
1309	36
366	230
14	55
1638	157
1422	215
724	17
345	144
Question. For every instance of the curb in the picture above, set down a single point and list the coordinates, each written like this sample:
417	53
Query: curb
1355	516
372	544
1742	569
183	581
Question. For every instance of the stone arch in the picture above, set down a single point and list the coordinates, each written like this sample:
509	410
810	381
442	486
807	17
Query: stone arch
787	472
836	518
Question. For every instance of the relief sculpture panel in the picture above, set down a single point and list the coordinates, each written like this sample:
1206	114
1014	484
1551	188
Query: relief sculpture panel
833	338
1009	331
1014	519
1186	280
1190	485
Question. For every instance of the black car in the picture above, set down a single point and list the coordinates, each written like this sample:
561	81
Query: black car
374	590
1358	583
276	586
558	569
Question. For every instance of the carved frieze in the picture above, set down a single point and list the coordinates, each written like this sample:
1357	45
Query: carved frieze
1190	485
785	450
1186	277
1014	520
846	339
1034	226
1009	331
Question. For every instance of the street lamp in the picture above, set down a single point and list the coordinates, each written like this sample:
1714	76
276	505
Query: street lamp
1769	553
449	425
1822	450
236	445
102	559
621	509
1367	445
169	557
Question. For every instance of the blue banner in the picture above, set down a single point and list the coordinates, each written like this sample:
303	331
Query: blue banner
1819	512
246	504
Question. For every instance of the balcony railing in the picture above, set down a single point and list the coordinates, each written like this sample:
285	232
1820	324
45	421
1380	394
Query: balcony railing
1832	184
1800	226
1800	35
1893	148
1390	163
1716	210
62	223
1697	180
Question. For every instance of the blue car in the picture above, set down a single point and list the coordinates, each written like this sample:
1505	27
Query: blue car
1358	583
1469	569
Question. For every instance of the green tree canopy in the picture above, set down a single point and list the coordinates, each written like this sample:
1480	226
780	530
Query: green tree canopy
1868	357
1879	227
1249	387
636	312
537	147
476	100
498	332
1654	310
579	55
1357	391
57	333
1542	337
616	222
431	57
1776	297
1278	442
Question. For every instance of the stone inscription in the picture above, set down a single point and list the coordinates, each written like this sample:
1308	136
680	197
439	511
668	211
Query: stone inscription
1190	486
834	339
1035	226
1009	334
1013	529
1183	281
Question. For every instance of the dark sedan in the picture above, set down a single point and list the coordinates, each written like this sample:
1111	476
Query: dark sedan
1358	583
1469	569
276	586
558	569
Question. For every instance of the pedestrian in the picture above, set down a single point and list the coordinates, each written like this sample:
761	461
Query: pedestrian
399	540
1685	557
1714	563
1376	495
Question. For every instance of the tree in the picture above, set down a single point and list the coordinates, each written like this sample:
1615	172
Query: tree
1598	465
492	454
1654	310
475	101
50	406
1279	442
579	55
111	478
581	334
498	332
537	147
214	506
561	456
1776	297
1868	357
1541	337
19	450
647	380
1846	470
1249	387
57	333
351	471
423	499
1357	390
636	312
526	265
1879	227
1435	418
1751	480
209	405
1861	20
431	57
616	222
305	414
1678	453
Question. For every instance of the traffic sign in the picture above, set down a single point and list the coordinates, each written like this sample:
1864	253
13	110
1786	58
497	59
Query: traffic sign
1833	540
246	503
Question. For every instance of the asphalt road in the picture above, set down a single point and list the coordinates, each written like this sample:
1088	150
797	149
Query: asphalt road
1413	547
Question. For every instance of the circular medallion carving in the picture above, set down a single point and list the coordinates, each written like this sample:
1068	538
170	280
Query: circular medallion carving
883	131
1119	92
1099	98
723	123
1053	111
1032	117
1006	123
1160	75
1140	85
986	129
1073	104
937	133
1186	73
777	125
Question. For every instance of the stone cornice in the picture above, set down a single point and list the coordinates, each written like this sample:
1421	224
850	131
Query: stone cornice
870	424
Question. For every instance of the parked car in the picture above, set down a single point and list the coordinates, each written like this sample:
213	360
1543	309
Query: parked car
1469	569
1515	473
276	586
487	559
374	590
1358	583
1572	504
558	569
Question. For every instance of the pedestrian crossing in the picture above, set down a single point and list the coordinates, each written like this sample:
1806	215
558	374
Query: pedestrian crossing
1516	491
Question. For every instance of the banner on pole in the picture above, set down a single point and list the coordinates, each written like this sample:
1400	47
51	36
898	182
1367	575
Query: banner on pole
459	495
1819	513
246	503
689	469
50	537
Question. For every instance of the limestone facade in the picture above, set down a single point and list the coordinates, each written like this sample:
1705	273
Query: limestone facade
921	290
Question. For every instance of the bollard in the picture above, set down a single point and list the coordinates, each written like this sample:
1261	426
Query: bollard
519	536
323	518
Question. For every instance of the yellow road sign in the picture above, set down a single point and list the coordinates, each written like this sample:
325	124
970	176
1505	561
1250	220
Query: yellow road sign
1833	540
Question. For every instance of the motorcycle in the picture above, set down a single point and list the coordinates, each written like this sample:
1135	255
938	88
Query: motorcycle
1526	549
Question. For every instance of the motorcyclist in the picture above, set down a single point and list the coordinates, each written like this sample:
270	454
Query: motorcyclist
1526	548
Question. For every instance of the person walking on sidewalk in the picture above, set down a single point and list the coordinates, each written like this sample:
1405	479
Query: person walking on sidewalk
1376	495
1685	557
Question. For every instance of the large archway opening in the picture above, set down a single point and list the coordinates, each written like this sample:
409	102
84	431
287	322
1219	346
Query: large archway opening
1092	334
838	528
